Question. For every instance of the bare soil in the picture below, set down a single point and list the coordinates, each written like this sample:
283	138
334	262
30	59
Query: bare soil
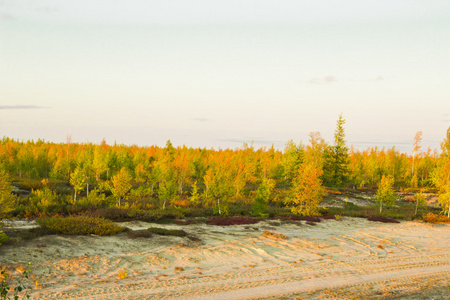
349	258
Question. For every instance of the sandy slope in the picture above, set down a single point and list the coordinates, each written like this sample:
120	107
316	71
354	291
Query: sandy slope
346	259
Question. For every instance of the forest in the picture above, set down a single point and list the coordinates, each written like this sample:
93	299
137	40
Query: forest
39	179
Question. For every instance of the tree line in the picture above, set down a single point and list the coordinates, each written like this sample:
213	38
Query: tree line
160	177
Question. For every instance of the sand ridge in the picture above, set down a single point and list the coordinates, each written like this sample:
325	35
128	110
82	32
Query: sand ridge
346	259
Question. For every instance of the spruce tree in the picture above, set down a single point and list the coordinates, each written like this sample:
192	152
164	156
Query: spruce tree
337	158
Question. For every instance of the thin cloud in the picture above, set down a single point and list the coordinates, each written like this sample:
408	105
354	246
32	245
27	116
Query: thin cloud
202	120
21	107
376	79
329	79
6	17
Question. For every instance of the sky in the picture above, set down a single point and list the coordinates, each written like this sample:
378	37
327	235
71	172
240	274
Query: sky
214	73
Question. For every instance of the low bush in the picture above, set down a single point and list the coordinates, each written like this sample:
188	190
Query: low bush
15	288
274	235
127	214
198	220
3	237
141	233
163	231
80	225
273	211
382	219
197	212
34	233
227	221
435	218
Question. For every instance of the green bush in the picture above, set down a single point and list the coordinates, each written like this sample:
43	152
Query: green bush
14	289
125	214
163	231
80	225
3	237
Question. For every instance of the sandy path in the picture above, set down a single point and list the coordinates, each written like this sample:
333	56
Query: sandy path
346	259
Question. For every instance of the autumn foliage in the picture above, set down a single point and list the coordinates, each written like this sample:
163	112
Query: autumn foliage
84	176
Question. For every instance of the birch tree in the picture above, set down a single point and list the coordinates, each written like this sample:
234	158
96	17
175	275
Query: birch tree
307	191
121	184
385	193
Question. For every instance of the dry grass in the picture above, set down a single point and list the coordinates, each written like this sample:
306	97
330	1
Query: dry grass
122	274
274	235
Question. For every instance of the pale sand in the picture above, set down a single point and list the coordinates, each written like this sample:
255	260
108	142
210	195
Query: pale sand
345	259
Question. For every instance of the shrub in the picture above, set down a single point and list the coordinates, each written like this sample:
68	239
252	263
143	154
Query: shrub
3	237
163	231
226	221
141	233
434	218
20	289
80	225
274	235
381	219
34	233
122	274
126	214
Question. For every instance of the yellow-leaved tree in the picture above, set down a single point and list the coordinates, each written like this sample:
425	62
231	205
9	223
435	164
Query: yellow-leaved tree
6	196
77	180
307	191
386	193
121	184
441	175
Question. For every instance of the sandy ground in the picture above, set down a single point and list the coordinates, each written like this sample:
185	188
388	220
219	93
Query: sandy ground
345	259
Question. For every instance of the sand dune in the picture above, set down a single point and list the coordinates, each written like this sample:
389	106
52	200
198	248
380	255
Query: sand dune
345	259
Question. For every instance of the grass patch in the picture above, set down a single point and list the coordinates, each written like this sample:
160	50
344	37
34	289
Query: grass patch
80	225
163	231
401	211
34	233
141	233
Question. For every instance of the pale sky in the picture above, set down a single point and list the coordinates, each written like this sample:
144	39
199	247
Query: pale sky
219	73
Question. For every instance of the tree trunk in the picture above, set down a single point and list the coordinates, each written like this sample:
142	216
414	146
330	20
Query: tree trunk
381	207
87	187
75	197
218	205
164	204
417	205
